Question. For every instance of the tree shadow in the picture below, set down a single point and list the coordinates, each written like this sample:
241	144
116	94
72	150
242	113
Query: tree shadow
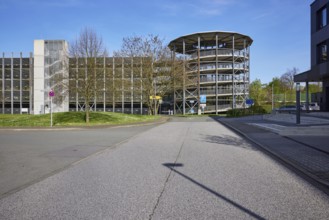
228	140
171	166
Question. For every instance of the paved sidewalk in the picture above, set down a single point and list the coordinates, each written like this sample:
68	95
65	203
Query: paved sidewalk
307	151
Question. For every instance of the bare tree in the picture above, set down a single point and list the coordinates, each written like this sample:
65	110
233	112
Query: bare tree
158	70
287	78
287	83
87	50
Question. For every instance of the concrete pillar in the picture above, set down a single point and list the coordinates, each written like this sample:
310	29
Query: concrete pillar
307	104
31	84
39	77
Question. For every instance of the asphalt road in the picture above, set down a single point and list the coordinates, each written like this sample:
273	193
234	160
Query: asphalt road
189	168
26	156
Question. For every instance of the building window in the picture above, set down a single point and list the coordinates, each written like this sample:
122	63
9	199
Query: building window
322	19
322	52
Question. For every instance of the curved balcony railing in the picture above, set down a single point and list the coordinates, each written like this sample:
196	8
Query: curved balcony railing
221	52
222	78
223	66
213	91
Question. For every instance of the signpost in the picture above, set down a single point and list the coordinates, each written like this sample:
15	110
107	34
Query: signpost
203	99
51	95
203	106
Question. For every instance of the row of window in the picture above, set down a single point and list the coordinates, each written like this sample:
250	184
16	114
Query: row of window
322	52
322	21
322	17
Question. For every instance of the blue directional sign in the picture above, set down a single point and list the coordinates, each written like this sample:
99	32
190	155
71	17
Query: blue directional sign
249	101
203	99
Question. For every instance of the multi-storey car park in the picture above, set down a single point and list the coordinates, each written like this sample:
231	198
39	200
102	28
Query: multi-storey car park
216	69
26	81
119	84
16	72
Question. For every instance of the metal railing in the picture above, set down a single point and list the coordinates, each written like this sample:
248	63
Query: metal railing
221	66
221	52
222	78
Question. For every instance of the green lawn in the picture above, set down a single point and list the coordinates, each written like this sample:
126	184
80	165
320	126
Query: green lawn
72	119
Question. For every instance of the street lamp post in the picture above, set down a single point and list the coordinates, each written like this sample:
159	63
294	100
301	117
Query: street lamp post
272	97
51	94
297	103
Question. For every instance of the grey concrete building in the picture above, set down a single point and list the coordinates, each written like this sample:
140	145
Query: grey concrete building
25	82
216	67
319	71
16	83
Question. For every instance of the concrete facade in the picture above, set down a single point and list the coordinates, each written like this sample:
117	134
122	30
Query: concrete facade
319	71
16	85
216	66
50	69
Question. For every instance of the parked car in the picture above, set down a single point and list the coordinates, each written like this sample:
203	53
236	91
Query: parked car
287	108
313	106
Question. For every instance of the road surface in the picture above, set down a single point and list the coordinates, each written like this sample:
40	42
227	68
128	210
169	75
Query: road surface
189	168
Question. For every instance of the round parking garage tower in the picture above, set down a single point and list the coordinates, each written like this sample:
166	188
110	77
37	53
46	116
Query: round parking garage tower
216	69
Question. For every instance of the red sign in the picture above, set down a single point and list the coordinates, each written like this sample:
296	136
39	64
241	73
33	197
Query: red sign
51	93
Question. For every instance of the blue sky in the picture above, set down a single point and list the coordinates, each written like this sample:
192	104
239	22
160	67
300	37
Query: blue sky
280	28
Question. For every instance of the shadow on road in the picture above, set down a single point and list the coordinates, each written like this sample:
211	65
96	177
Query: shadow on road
171	166
228	140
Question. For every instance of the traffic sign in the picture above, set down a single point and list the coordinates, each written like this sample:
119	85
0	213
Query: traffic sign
249	101
155	97
51	93
203	99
